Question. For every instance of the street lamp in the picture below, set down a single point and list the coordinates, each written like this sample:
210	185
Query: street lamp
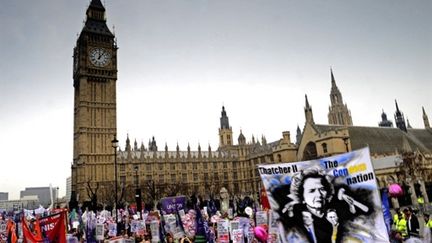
114	143
137	193
136	176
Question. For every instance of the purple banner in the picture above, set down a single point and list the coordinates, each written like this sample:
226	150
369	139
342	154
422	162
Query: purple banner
173	204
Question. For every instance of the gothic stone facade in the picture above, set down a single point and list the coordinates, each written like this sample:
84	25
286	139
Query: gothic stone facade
95	116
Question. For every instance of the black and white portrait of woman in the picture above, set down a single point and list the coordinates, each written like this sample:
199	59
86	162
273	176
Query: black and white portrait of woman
327	200
329	203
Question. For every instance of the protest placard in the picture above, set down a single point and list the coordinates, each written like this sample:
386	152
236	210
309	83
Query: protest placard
336	196
237	236
154	229
112	229
222	229
100	232
261	218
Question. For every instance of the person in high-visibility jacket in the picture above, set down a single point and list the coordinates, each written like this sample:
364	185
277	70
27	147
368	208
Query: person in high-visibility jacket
401	226
396	216
428	221
427	229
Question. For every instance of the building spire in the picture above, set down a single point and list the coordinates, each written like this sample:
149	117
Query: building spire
307	102
128	146
225	131
96	11
335	90
298	135
397	107
308	111
339	113
425	119
408	124
384	121
333	81
399	119
96	4
224	121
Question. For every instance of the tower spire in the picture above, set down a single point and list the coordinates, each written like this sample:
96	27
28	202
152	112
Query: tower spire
408	123
298	135
425	119
397	107
384	122
308	111
339	113
306	102
399	119
225	131
333	81
96	11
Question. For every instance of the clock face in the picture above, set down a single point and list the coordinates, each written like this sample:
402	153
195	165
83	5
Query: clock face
99	57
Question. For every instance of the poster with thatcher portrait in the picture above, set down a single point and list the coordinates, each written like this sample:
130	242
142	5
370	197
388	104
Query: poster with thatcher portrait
333	199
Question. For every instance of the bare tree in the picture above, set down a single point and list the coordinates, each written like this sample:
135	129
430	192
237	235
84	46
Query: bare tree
92	194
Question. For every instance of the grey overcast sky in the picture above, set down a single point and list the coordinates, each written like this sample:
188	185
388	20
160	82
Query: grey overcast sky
180	61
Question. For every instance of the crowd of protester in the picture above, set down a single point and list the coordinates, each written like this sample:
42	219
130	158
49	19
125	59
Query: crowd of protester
406	226
195	221
192	220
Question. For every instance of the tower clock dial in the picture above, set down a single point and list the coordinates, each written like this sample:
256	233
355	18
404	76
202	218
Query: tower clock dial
99	57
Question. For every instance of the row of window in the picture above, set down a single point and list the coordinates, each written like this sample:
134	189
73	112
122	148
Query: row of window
205	165
195	176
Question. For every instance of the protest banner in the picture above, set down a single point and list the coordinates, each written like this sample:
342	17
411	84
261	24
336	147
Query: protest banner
234	225
172	226
336	196
141	229
172	204
134	226
273	227
154	229
100	232
222	229
261	218
54	226
237	236
250	234
112	229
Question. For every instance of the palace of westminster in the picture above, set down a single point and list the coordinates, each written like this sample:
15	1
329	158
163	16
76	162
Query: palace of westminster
400	154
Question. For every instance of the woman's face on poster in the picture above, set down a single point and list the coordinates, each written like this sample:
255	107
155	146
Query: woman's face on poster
314	193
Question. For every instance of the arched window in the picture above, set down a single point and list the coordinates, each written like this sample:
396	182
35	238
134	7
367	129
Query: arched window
310	151
324	147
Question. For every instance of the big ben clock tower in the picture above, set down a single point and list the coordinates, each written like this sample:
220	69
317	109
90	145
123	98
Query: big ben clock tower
95	115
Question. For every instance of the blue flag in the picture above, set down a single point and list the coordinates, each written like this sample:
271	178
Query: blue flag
386	209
